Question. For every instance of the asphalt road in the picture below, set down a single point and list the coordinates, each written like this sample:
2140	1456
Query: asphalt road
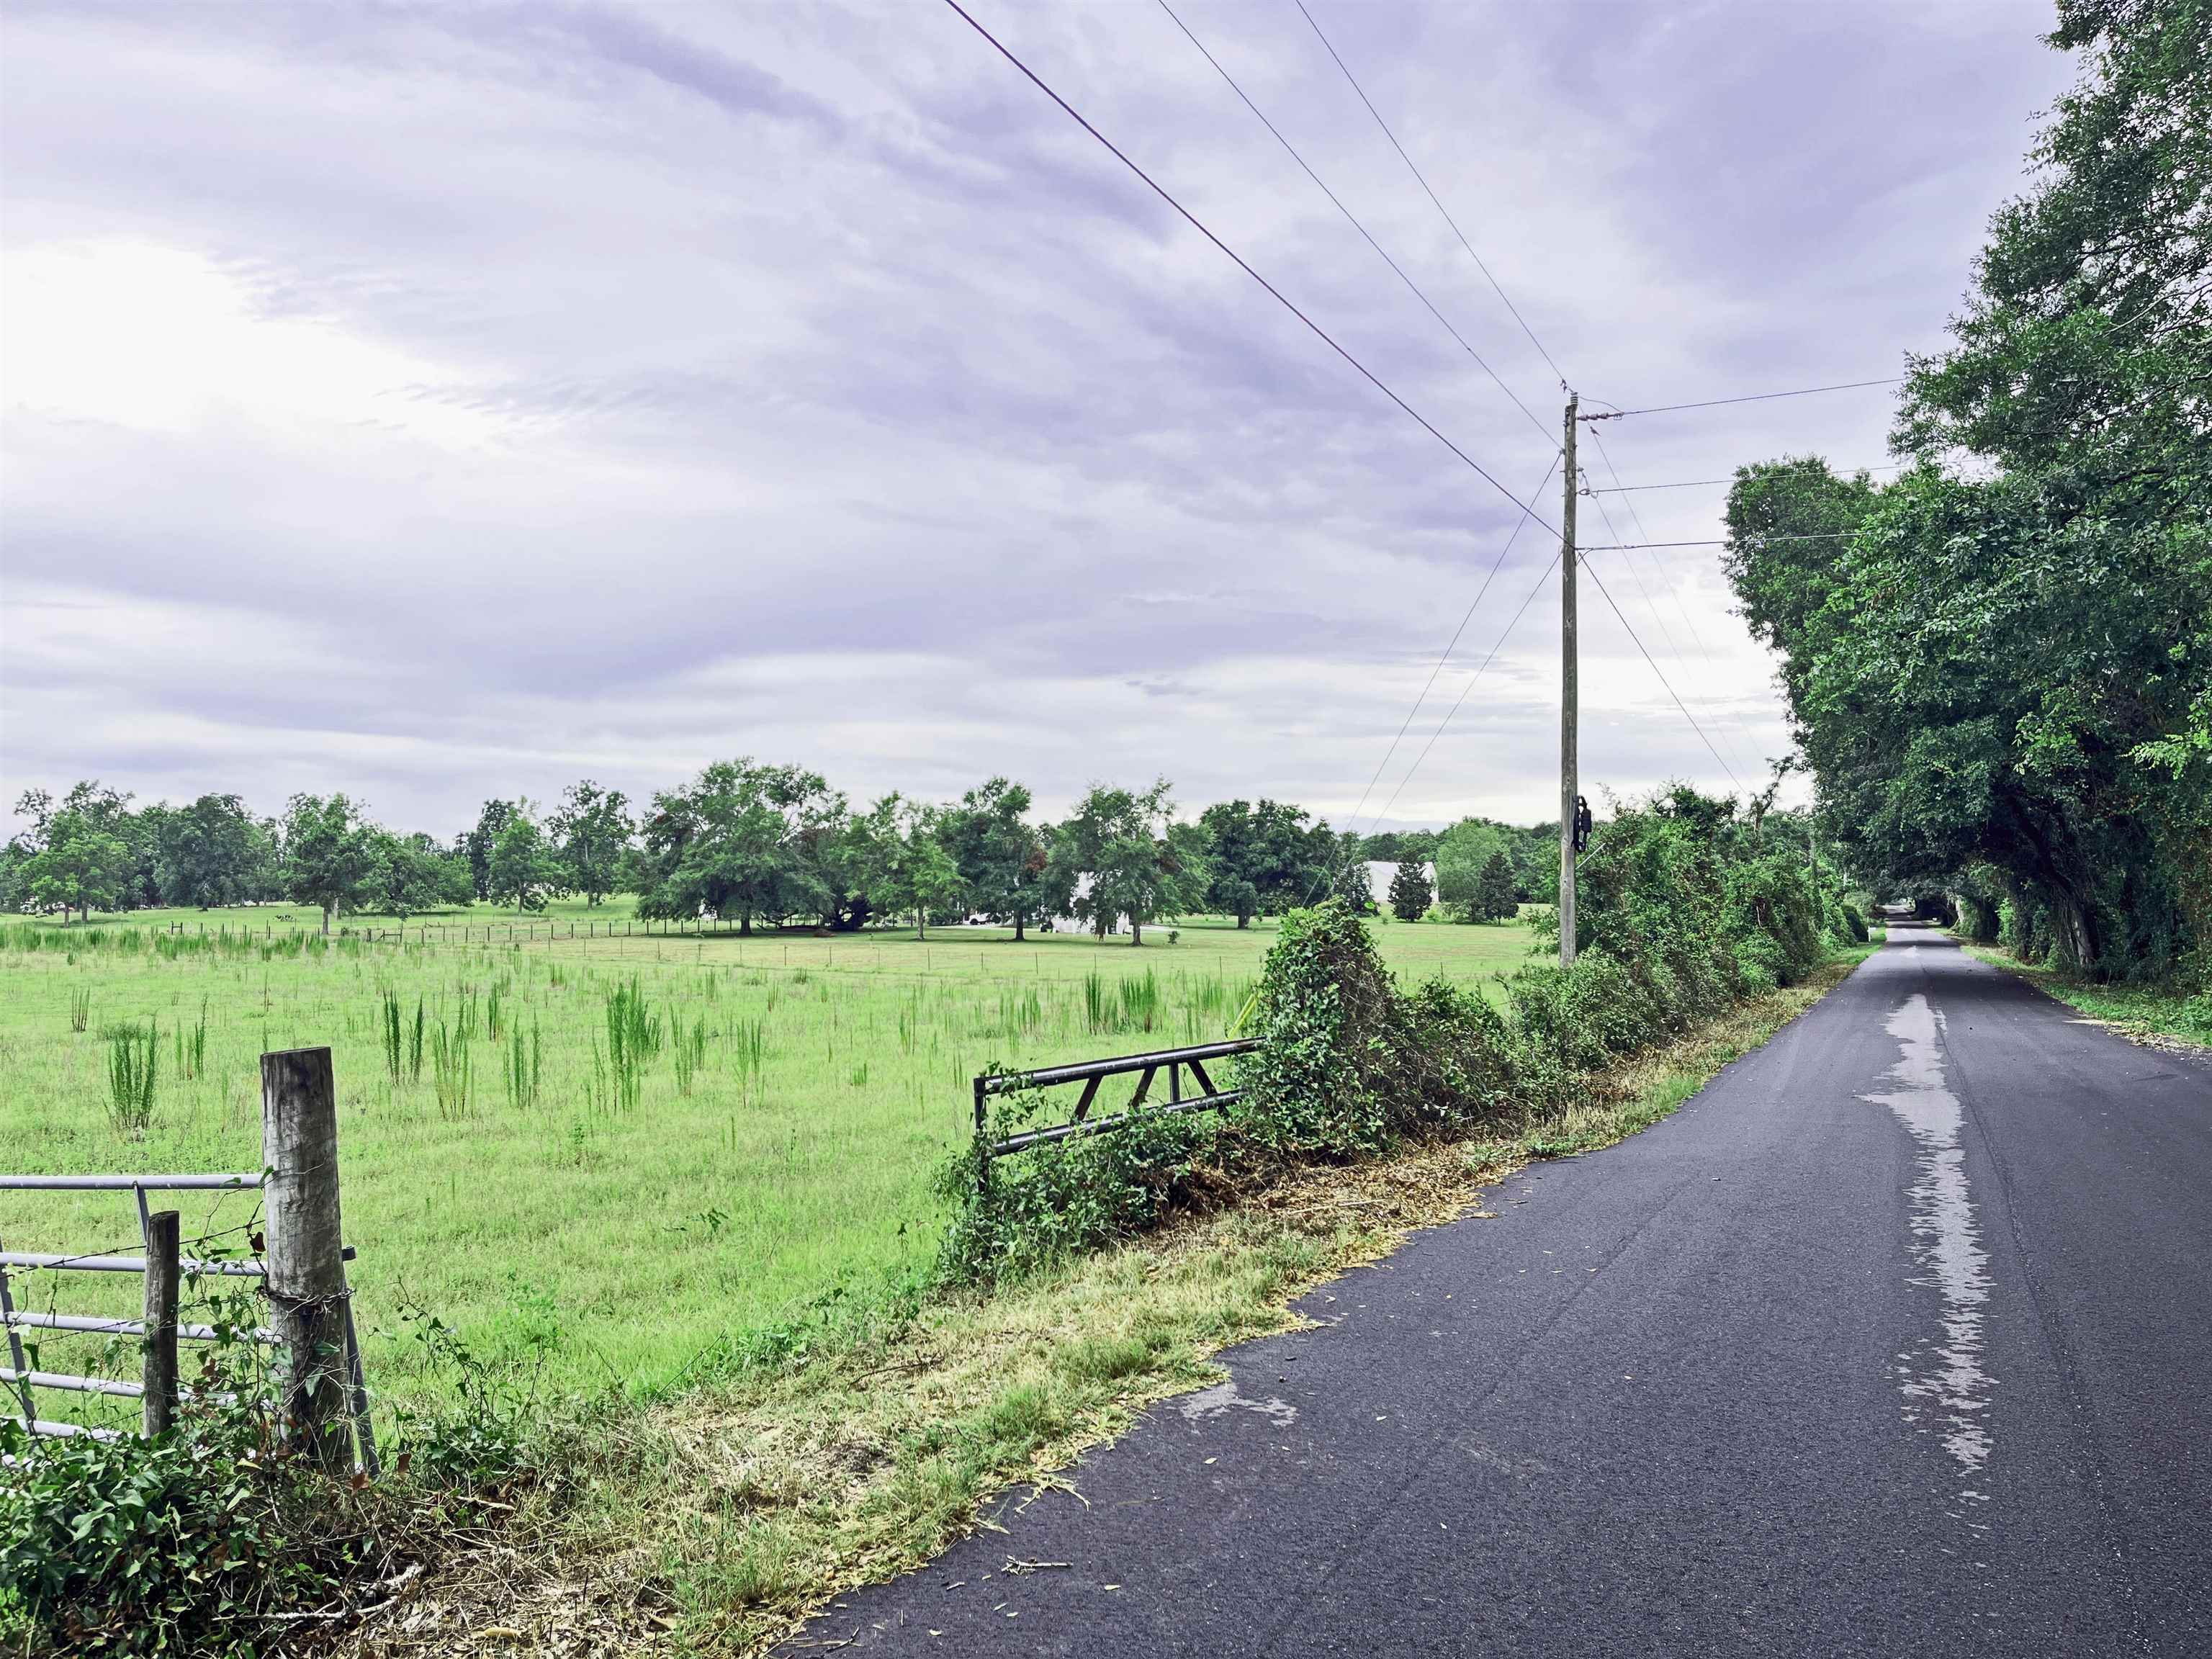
1896	1339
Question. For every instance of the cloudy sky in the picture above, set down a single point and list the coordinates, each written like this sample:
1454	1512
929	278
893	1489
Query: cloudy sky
443	401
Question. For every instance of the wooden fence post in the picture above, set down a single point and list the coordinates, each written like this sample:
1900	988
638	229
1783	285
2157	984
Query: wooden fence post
306	1261
164	1230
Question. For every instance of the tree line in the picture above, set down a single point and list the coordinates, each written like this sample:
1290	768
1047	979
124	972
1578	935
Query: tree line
2000	665
762	844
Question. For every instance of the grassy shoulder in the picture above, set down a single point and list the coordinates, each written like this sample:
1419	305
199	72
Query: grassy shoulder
2159	1014
714	1520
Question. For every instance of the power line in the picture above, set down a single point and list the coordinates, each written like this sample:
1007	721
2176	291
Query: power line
1292	150
1695	483
1679	703
1696	635
1543	577
1810	536
1454	224
1497	564
1352	219
1490	277
1753	397
1327	339
1650	604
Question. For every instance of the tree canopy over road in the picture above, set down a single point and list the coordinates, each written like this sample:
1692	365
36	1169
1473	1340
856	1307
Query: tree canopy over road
2000	665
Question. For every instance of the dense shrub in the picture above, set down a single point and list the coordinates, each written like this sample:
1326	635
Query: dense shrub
1856	924
199	1540
1461	1069
1334	1040
1018	1213
175	1544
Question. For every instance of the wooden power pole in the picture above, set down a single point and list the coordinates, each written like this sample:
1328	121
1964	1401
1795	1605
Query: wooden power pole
1569	786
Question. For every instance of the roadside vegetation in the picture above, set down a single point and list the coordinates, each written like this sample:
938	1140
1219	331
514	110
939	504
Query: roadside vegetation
1691	906
2160	1014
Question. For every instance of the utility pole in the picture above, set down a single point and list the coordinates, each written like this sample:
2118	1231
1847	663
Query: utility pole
1569	785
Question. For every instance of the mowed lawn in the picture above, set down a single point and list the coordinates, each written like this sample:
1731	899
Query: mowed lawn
556	1228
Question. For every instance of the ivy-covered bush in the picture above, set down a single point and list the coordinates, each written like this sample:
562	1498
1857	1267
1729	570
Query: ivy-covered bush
1017	1213
201	1541
1461	1069
171	1546
1335	1040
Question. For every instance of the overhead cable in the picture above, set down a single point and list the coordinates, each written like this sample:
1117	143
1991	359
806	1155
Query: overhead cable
1656	669
1755	535
1496	565
1544	576
1722	721
1322	334
1751	397
1696	483
1441	208
1351	218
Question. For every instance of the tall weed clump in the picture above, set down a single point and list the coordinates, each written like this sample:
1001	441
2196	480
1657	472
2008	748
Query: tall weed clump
635	1035
134	1064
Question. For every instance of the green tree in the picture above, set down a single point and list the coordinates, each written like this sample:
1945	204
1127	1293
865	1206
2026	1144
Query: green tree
1264	859
413	873
905	866
209	853
330	853
525	870
1238	860
1494	890
2006	667
1399	846
747	839
1349	881
1535	855
73	857
477	843
1463	852
1139	862
1000	855
1410	892
591	830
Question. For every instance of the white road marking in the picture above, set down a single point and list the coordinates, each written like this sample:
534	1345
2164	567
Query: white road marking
1944	1375
1222	1396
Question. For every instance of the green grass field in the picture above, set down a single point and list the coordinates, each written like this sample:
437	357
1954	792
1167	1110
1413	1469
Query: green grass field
780	1162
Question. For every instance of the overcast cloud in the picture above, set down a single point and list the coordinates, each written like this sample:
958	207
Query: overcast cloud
440	402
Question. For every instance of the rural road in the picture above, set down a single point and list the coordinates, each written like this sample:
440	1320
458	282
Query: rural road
1897	1339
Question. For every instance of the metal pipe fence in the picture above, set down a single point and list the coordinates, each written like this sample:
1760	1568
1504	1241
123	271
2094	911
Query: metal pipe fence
301	1275
1093	1073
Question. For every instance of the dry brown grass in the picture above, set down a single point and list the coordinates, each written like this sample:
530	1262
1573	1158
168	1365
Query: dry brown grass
714	1523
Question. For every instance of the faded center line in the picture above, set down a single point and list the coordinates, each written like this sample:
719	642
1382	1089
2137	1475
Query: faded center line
1941	1377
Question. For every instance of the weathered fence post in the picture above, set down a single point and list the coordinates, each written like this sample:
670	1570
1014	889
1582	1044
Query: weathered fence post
164	1230
306	1261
